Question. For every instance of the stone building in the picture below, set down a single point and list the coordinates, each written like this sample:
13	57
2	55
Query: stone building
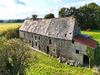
57	37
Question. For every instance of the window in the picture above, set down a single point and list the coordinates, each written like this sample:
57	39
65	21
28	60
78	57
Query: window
24	34
70	33
32	43
49	41
39	38
77	51
73	41
65	35
54	50
32	35
35	43
39	47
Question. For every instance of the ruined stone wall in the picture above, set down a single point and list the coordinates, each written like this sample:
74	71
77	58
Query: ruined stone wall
57	47
68	49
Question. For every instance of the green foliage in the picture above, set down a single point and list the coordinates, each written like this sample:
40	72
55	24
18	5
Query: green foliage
2	40
48	65
49	16
65	12
15	57
62	12
11	33
90	52
95	34
88	16
97	56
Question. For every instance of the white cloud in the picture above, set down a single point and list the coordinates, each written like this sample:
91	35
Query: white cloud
82	3
10	10
57	0
43	12
16	11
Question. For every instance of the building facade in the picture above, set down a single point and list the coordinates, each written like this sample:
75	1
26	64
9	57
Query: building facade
57	37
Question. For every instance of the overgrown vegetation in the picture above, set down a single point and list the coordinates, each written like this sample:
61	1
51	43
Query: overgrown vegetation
94	56
15	57
95	34
11	33
48	65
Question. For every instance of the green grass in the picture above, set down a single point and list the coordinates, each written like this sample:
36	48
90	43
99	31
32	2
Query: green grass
95	34
6	26
50	66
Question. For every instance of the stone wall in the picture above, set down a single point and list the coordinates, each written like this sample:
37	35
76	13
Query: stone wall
56	47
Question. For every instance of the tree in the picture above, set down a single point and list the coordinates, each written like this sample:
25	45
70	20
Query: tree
49	16
15	57
1	21
62	12
88	16
66	12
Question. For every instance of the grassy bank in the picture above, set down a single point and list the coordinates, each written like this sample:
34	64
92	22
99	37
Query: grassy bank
50	66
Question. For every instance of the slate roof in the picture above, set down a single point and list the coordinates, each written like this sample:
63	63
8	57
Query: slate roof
56	27
86	41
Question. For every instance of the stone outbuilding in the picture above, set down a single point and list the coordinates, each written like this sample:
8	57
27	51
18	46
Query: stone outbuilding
57	37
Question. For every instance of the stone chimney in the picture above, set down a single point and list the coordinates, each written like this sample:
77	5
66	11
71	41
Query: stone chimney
34	17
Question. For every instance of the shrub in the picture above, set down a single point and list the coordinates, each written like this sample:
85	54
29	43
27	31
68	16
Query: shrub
15	57
11	33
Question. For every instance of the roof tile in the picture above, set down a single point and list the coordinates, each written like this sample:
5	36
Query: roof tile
86	41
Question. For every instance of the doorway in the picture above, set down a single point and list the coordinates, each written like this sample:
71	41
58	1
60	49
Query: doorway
47	49
39	47
32	43
86	60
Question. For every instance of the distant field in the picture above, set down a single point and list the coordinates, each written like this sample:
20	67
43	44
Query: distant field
6	26
95	34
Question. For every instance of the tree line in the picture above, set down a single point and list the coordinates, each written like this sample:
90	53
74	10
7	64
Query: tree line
87	16
12	21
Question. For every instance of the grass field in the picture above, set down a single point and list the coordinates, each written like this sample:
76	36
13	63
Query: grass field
6	26
50	66
95	34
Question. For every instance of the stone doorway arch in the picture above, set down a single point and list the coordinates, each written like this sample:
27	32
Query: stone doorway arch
47	49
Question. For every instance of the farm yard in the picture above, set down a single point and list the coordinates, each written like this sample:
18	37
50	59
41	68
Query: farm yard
48	65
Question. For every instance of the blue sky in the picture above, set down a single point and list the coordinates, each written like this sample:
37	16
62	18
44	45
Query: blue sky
20	9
